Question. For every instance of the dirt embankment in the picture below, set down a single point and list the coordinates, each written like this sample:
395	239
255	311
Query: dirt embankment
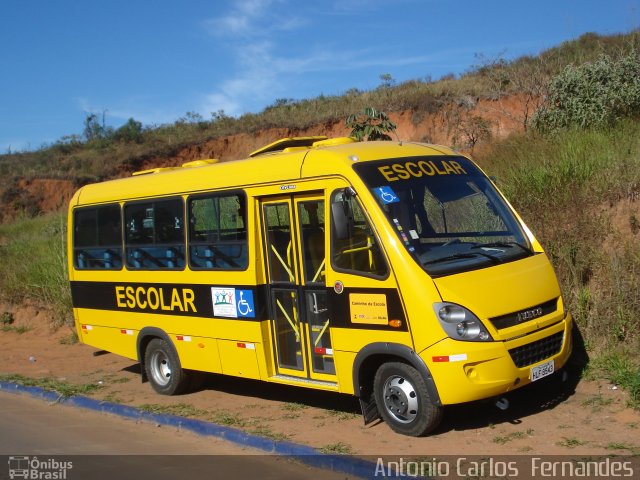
447	126
548	417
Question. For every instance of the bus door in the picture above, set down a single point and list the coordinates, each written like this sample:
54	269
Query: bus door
296	241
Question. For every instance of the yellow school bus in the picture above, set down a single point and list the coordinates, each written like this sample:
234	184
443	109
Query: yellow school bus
393	271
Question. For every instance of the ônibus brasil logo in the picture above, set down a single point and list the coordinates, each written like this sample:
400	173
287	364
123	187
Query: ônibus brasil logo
36	469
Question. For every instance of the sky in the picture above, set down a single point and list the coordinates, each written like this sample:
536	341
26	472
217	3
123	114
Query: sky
61	60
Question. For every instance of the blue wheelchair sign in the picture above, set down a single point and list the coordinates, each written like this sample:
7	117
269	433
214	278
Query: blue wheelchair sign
244	304
386	195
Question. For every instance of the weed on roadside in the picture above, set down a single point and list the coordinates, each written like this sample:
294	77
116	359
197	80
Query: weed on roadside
342	415
228	419
622	446
596	402
16	329
512	436
179	409
265	431
70	339
571	442
62	387
339	448
294	407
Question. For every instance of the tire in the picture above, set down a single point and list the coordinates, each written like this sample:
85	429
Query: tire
403	400
163	369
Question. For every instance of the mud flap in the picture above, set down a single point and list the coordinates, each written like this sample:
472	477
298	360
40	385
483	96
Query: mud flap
369	409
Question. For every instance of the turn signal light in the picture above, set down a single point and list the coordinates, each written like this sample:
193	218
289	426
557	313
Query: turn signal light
395	323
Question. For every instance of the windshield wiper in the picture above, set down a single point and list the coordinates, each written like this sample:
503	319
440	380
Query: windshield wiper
457	256
505	244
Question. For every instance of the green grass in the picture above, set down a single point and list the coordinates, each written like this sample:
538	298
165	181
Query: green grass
340	415
596	402
621	368
70	339
62	387
571	442
33	264
622	446
564	186
179	409
339	448
265	431
294	407
16	329
512	436
228	419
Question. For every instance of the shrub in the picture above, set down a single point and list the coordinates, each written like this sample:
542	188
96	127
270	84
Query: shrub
592	95
370	124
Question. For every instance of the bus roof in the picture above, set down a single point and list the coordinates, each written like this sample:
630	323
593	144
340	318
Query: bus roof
303	157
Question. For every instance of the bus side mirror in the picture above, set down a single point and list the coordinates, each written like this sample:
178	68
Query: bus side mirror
341	219
342	215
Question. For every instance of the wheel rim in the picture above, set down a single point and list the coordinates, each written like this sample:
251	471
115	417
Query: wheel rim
160	368
400	399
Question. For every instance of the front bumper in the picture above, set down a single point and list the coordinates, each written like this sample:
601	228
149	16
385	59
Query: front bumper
468	371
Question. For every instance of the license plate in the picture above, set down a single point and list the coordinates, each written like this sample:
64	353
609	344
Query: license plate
542	371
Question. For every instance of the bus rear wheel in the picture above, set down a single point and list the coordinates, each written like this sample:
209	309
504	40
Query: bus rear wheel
163	369
404	401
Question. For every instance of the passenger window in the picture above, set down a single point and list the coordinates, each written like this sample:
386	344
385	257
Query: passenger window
97	238
359	251
311	214
155	235
218	232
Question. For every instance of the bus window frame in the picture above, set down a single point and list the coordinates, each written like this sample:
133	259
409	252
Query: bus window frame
74	262
217	193
152	200
333	238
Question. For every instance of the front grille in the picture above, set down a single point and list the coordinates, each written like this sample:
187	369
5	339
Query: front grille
537	351
515	318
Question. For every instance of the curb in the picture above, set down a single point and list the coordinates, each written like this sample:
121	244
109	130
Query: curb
302	453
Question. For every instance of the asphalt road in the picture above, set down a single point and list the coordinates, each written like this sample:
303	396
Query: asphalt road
102	446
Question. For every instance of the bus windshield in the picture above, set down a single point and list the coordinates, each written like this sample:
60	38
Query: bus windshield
446	213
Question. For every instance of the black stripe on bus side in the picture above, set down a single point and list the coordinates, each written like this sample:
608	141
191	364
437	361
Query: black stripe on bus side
113	296
193	300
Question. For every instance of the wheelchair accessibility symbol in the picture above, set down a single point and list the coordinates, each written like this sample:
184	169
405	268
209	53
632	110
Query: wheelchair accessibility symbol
386	195
244	303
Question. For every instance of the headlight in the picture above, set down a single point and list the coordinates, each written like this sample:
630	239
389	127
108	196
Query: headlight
460	324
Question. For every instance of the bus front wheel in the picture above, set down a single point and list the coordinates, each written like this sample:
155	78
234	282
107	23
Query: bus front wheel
403	400
164	372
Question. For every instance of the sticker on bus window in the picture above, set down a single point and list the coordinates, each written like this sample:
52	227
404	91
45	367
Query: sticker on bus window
386	195
368	308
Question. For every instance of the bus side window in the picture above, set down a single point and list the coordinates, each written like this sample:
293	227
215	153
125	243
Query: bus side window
154	235
218	232
359	251
97	238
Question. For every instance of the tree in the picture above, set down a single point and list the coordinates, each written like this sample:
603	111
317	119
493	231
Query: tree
94	129
470	130
129	132
370	124
387	80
